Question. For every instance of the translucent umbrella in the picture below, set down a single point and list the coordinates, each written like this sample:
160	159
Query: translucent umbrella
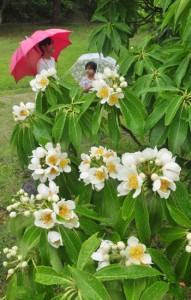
78	68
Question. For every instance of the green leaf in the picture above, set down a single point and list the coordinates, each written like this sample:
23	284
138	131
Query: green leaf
88	226
157	113
88	247
142	219
117	272
58	127
162	262
38	102
169	234
75	132
71	242
179	217
11	291
182	69
133	288
43	117
48	276
113	126
174	247
126	64
90	287
177	133
122	225
30	239
97	117
41	133
156	291
155	214
87	99
172	109
51	97
182	197
180	8
183	268
128	207
116	40
122	27
158	134
86	212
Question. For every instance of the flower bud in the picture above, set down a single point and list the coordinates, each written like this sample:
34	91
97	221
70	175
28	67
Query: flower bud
5	264
123	253
11	271
154	176
13	214
188	236
121	245
27	213
15	248
8	255
9	208
20	257
5	250
118	90
142	175
55	198
188	249
39	197
158	162
24	264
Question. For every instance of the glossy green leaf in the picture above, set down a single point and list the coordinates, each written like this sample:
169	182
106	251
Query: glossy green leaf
48	276
172	109
117	272
157	113
90	287
183	268
169	234
71	242
11	291
75	132
182	198
177	134
87	100
88	247
58	127
162	262
142	219
128	207
133	288
41	133
30	239
179	217
156	291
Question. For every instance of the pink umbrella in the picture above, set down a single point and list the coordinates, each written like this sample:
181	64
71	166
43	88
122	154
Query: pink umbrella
25	58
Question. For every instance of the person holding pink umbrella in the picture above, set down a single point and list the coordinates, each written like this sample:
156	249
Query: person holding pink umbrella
46	61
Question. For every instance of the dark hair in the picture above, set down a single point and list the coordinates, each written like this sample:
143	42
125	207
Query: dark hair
47	41
92	65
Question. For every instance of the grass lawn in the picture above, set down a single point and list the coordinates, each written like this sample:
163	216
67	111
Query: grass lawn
12	176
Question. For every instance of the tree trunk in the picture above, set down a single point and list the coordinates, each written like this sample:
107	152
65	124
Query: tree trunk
3	4
56	14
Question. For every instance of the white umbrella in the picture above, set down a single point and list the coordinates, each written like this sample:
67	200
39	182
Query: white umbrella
78	68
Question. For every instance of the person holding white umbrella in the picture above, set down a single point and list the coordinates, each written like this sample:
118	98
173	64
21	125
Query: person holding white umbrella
86	81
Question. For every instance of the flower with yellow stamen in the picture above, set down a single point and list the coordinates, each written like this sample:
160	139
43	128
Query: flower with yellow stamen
64	209
45	218
135	252
131	180
163	185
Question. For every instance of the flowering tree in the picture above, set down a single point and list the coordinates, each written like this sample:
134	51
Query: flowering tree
106	223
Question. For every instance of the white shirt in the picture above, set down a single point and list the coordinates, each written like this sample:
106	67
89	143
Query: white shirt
45	64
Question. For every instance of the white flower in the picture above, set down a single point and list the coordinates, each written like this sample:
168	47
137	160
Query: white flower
103	92
72	223
130	159
21	112
98	177
113	165
102	254
114	98
40	82
64	209
163	185
85	164
97	151
136	252
52	172
48	192
171	170
63	163
45	218
131	181
149	153
55	239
